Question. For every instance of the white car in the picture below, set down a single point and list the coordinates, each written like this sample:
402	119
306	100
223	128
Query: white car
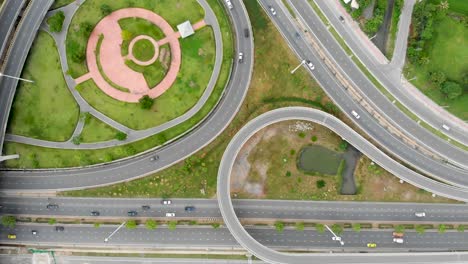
229	4
446	127
310	65
420	214
166	202
241	57
170	214
356	115
273	11
398	240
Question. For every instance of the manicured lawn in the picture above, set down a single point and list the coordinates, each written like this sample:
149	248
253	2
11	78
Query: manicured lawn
96	131
317	159
44	109
447	52
188	178
175	12
143	50
198	52
139	26
37	157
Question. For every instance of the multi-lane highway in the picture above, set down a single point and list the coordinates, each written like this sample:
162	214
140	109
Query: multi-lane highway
202	237
8	15
117	208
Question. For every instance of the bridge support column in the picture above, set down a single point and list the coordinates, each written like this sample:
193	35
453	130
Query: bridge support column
3	158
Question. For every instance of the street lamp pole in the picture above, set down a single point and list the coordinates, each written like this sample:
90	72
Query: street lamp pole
335	237
295	69
115	231
16	78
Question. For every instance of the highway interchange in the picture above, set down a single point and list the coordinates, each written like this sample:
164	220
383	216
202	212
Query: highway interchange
140	166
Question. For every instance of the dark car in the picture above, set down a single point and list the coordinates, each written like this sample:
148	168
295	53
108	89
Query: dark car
95	213
145	207
132	213
154	158
52	206
59	228
34	232
341	19
246	32
189	208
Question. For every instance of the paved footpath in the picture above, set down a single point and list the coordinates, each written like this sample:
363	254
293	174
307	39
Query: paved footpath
132	135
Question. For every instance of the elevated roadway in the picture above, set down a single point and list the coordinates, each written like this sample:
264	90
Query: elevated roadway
302	113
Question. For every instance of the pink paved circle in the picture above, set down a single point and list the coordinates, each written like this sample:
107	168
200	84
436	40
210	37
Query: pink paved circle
113	63
130	55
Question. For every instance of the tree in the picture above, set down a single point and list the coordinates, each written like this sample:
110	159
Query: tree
320	228
343	145
357	227
121	136
215	225
172	225
52	221
420	229
55	22
300	226
437	77
151	224
320	184
461	228
146	102
76	51
451	90
131	224
8	221
442	228
279	226
444	5
106	9
86	28
337	229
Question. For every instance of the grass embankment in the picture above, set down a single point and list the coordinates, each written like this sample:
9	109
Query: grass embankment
196	176
44	109
96	131
90	13
390	45
273	172
447	53
155	72
198	52
60	3
56	158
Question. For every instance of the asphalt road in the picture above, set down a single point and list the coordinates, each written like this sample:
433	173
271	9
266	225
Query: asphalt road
141	165
202	237
112	208
32	18
392	82
8	15
402	150
63	259
260	249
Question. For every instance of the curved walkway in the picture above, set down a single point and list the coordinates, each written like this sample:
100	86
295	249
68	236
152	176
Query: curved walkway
132	57
132	135
347	133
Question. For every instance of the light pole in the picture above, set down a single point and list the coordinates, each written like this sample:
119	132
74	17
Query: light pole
16	78
335	237
115	231
295	69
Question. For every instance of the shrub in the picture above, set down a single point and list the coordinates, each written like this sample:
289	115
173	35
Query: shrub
215	225
52	221
121	136
337	229
279	226
300	226
442	228
55	22
151	224
97	225
451	90
313	138
288	174
437	77
126	35
320	184
131	224
461	228
77	140
301	134
343	145
106	9
357	227
292	152
320	228
8	221
400	229
420	229
172	225
146	102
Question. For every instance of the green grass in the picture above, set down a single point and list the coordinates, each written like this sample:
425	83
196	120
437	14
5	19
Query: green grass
96	131
390	45
37	157
143	50
317	159
457	6
60	3
183	95
138	26
447	52
44	109
175	12
198	173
